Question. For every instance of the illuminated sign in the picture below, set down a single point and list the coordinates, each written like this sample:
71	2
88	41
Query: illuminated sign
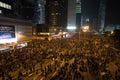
71	27
7	31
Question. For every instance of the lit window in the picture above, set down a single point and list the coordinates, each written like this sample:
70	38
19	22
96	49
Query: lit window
87	20
71	27
7	6
0	4
39	5
52	13
56	13
4	5
10	7
0	11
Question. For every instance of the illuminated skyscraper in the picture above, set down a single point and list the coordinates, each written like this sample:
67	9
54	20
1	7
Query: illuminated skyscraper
39	16
78	13
56	13
74	14
71	21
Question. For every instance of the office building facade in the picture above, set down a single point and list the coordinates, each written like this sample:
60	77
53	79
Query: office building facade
78	14
6	8
56	13
39	12
14	30
71	20
89	15
17	9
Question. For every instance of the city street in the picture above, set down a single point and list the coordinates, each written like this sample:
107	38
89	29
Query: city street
63	59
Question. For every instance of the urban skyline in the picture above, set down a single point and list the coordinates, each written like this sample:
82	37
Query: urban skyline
89	13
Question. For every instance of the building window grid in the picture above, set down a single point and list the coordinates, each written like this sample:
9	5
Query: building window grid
78	6
4	5
0	11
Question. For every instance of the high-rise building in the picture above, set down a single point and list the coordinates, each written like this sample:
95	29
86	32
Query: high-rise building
17	9
13	28
6	8
112	13
78	13
27	9
71	21
39	12
56	13
90	11
102	11
74	14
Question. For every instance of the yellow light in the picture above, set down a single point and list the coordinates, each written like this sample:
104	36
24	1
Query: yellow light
85	28
112	32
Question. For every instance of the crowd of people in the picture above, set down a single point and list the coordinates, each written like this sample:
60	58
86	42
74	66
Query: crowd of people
70	59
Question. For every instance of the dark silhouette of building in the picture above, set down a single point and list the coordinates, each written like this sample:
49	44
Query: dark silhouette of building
18	9
112	12
89	13
101	15
7	8
27	10
56	13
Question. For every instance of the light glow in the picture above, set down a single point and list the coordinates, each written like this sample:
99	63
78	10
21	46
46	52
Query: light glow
4	5
112	32
0	11
4	41
71	27
44	33
85	28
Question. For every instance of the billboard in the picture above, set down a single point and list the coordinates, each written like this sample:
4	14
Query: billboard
7	31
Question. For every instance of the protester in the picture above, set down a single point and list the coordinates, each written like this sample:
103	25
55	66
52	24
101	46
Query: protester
88	55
